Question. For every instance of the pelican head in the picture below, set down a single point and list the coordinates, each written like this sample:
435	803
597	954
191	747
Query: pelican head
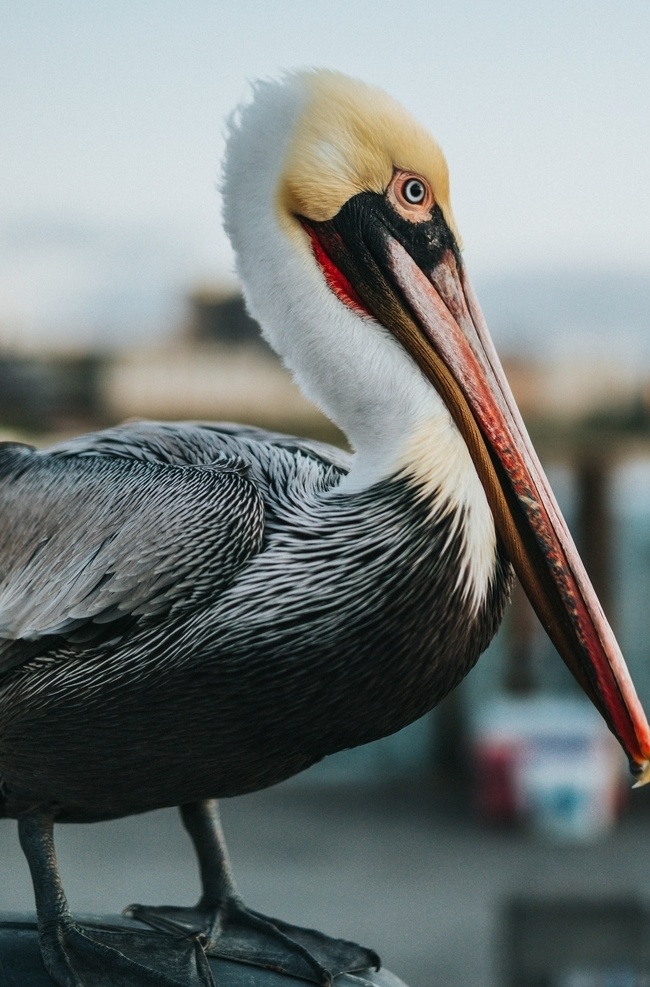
337	204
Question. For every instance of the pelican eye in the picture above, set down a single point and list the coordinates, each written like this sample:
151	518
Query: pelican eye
411	195
414	191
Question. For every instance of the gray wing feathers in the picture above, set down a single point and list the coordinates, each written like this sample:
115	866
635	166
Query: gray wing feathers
90	539
200	443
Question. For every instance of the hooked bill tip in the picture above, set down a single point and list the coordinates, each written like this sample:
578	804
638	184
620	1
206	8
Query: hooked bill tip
642	775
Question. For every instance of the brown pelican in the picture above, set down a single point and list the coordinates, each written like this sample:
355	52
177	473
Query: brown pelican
190	612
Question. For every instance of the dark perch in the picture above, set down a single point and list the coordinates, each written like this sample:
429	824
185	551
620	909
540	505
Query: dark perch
21	964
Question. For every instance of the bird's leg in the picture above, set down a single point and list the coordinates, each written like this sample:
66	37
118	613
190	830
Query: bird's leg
233	931
85	956
203	823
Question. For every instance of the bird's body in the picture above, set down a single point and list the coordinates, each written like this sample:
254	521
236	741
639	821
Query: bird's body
189	612
288	643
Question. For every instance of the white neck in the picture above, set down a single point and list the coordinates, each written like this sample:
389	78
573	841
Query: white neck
350	366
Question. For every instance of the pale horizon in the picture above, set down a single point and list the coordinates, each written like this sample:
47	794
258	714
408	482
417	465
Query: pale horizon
113	121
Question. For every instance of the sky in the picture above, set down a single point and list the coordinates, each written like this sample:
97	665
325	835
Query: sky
112	131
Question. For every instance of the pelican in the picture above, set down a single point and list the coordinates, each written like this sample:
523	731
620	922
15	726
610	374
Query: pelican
190	612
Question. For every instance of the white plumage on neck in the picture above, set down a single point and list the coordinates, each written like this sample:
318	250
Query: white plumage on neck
351	367
347	364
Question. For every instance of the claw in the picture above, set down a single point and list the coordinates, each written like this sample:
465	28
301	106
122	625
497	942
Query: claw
172	921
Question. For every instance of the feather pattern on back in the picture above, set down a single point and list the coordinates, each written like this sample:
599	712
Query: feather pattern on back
330	622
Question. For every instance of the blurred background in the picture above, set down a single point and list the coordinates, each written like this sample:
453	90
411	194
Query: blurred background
466	847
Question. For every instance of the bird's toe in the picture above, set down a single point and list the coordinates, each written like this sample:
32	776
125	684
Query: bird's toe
233	932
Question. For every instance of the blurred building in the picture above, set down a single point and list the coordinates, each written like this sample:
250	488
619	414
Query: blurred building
55	392
218	315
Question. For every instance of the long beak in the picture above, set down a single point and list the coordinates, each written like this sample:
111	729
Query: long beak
434	313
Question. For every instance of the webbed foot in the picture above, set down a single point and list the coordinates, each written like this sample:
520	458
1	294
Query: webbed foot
235	932
96	955
89	956
232	931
